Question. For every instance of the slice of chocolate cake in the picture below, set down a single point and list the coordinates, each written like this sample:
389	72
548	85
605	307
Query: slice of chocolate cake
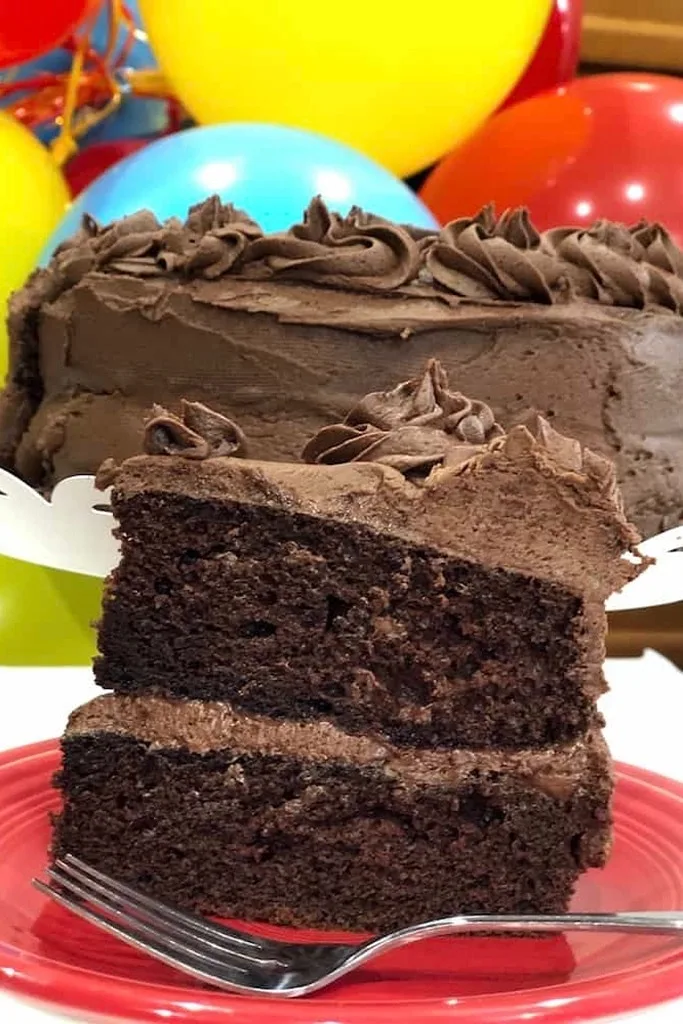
459	602
357	692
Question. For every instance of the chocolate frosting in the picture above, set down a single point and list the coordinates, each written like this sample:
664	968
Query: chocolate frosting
417	425
482	258
209	243
199	433
485	257
285	358
204	726
488	258
357	250
422	424
566	456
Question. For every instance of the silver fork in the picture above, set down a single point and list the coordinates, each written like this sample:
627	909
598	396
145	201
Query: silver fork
241	962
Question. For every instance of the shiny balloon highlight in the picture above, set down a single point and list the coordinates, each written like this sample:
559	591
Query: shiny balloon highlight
270	172
603	146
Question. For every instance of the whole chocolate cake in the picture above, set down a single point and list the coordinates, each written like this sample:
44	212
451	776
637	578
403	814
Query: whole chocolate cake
358	691
285	332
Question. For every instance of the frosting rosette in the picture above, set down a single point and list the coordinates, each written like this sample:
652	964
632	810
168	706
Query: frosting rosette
480	259
485	257
412	428
506	258
358	250
198	433
209	243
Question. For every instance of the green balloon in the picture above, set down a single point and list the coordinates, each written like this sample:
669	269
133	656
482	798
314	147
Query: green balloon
46	616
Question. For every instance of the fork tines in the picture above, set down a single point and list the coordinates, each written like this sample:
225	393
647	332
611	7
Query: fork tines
214	953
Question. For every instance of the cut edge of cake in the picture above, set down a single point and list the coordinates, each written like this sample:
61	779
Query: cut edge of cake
307	826
421	537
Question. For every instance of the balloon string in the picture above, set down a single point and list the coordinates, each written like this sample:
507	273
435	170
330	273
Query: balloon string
114	16
119	15
65	144
92	89
148	82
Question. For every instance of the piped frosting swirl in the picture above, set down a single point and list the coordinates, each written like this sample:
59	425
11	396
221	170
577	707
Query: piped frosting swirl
485	257
417	425
198	433
208	244
482	259
358	249
422	425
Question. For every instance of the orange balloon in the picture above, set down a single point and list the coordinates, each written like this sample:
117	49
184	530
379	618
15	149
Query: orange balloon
604	146
513	156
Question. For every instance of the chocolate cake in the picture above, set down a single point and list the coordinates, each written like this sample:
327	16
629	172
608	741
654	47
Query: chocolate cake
306	825
285	332
355	692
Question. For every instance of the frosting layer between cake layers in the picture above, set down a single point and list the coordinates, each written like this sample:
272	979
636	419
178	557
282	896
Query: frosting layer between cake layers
284	332
203	727
305	825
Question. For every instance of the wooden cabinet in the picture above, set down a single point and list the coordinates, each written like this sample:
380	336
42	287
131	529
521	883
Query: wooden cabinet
638	34
634	33
659	628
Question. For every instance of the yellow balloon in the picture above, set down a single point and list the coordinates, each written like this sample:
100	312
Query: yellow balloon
46	616
400	82
33	199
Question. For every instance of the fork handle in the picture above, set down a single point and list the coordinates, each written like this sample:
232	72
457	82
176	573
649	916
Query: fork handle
662	921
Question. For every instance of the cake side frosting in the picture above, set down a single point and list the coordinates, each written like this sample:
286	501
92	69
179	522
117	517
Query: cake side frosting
283	342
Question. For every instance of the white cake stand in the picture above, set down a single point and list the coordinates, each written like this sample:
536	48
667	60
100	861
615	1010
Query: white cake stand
73	532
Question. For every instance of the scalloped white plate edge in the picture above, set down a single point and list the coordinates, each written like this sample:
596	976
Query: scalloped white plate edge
72	531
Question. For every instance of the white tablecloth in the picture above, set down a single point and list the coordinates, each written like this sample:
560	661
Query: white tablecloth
644	712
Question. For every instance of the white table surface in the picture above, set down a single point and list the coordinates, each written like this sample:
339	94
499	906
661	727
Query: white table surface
644	712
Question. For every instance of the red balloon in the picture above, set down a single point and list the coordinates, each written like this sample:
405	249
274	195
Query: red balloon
556	56
31	27
603	146
87	165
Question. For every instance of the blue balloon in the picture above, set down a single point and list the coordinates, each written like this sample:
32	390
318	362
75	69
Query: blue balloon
270	171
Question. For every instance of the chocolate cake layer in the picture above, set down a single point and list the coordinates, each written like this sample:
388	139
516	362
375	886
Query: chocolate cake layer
285	332
300	825
295	617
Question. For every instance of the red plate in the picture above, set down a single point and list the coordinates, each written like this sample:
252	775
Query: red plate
49	955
